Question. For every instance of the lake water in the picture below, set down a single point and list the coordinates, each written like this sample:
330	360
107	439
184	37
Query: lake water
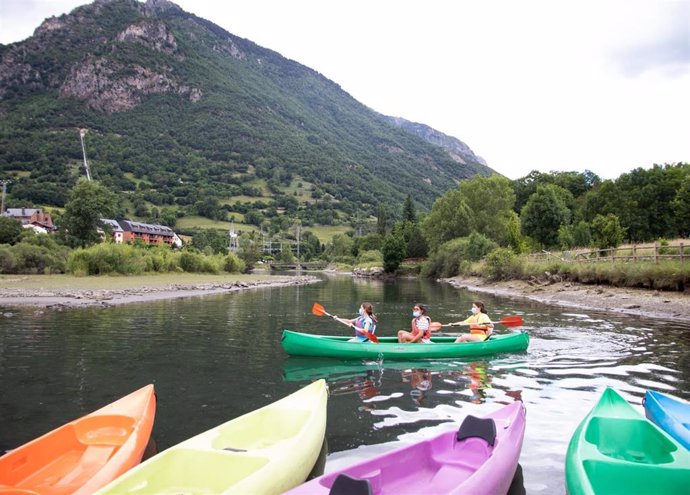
214	358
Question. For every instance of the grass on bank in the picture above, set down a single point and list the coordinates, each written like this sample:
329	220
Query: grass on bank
663	275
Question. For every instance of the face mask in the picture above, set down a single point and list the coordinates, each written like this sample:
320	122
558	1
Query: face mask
361	311
475	310
416	314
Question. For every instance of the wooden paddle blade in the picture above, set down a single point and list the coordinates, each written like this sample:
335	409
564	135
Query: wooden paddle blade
511	321
318	310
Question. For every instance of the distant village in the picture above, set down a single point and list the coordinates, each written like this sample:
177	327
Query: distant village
121	231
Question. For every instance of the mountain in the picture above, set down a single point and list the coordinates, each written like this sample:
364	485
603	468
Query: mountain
179	114
458	150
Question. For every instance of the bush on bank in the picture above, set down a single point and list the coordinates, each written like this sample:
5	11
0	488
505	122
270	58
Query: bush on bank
663	275
127	259
33	255
501	263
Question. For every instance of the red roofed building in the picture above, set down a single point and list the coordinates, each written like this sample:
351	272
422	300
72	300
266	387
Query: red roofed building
32	217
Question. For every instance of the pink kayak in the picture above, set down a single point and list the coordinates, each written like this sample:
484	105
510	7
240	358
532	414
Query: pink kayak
480	457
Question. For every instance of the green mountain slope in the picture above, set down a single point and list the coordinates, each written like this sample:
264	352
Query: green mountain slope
184	115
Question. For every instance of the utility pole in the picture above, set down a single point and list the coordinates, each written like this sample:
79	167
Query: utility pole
4	191
82	133
298	231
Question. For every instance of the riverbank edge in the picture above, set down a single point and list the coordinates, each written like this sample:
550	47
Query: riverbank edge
79	298
646	303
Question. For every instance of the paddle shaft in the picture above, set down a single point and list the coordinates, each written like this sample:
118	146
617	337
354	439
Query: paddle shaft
510	321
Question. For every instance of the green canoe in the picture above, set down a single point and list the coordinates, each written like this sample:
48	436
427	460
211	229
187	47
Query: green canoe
302	344
616	450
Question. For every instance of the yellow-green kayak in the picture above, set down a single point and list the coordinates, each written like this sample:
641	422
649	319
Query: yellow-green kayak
616	450
268	451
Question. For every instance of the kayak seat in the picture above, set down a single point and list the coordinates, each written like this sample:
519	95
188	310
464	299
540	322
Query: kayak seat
345	485
472	426
112	430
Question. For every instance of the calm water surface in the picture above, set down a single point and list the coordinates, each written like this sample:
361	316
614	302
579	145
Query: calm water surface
217	357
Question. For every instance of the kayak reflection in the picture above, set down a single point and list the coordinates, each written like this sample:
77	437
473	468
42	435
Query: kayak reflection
366	378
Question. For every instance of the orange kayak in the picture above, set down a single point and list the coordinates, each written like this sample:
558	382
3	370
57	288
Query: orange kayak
85	454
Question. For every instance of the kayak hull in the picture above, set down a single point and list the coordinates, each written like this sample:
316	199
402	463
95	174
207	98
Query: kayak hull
616	450
85	454
268	451
302	344
442	464
670	414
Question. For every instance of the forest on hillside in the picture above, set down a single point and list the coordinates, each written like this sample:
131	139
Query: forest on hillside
483	215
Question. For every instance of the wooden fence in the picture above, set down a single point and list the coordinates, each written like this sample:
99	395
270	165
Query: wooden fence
656	252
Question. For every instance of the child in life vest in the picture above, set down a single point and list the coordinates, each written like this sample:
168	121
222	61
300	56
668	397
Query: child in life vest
420	327
480	325
366	321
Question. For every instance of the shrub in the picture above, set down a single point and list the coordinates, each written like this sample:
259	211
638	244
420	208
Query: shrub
191	262
232	263
25	257
502	263
8	260
371	256
455	257
393	251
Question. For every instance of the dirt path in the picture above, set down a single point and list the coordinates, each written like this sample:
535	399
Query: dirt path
639	302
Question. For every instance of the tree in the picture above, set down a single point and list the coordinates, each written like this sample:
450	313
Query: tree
341	246
10	230
491	200
607	231
409	213
381	221
215	240
250	250
681	207
88	202
416	245
393	251
544	213
450	217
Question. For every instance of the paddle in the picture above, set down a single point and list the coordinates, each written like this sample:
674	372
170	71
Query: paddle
509	321
319	310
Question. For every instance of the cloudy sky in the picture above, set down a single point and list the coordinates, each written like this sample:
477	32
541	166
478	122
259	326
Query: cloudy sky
547	85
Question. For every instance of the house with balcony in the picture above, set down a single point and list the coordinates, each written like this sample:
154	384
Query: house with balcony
124	231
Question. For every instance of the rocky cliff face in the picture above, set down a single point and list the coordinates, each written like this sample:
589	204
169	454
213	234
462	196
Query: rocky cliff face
101	78
458	150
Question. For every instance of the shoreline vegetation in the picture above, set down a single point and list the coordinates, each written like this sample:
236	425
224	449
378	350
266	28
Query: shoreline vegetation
66	291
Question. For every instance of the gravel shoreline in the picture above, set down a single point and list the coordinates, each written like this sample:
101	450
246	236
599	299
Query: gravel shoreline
621	300
77	298
636	302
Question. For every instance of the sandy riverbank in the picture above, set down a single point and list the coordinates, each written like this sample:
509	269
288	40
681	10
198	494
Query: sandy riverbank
71	292
638	302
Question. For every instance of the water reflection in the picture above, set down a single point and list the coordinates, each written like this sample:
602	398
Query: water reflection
215	358
369	380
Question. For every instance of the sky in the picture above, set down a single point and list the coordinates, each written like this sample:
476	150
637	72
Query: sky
569	85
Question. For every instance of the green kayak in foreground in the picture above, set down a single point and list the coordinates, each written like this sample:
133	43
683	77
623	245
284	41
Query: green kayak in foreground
302	344
616	450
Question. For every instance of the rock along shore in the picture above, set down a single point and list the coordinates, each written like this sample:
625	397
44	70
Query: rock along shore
75	298
622	300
